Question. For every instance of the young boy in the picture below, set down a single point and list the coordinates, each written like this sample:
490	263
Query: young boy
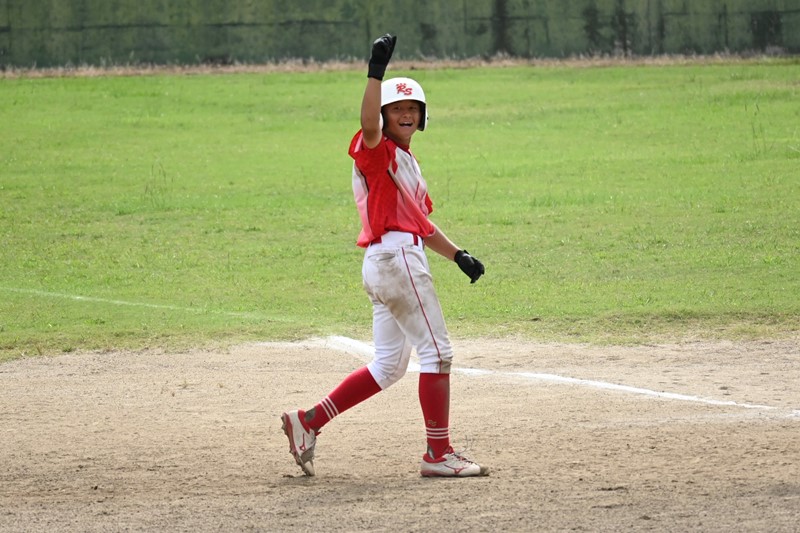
393	203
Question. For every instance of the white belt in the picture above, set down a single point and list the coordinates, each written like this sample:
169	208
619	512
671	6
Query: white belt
399	238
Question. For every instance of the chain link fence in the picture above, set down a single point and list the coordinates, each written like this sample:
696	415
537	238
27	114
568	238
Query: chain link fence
48	33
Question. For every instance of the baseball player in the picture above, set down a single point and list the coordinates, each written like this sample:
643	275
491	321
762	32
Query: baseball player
393	203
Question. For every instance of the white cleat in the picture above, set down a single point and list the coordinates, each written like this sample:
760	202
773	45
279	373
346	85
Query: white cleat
451	464
301	442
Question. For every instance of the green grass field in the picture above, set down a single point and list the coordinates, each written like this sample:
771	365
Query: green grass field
614	204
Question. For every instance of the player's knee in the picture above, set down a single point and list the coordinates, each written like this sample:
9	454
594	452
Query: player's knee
386	374
436	363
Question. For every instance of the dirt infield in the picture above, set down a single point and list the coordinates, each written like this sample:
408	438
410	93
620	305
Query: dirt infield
694	436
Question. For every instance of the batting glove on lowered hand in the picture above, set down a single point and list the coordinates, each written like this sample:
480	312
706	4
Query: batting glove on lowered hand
469	265
382	50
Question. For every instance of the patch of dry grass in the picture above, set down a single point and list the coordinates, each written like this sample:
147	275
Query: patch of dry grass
310	65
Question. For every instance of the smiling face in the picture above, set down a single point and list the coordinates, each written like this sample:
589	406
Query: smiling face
401	120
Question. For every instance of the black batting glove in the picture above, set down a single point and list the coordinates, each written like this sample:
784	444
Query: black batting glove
382	50
469	265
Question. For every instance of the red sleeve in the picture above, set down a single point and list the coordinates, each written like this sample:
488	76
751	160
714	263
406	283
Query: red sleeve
370	160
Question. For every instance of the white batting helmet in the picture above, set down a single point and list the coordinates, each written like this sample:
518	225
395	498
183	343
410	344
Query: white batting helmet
396	89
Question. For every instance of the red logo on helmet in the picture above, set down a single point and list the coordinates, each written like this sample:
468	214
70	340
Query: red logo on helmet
402	88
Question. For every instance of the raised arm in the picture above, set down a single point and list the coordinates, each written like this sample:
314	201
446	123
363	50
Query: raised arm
371	125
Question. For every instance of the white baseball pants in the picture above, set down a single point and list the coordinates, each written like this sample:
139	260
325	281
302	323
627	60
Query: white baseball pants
405	309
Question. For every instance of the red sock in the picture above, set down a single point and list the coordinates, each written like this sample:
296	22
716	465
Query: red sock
434	397
353	390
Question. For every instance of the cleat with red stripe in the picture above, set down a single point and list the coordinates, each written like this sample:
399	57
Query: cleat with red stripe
451	464
301	440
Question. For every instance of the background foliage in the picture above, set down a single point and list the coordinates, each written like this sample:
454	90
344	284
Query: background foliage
96	32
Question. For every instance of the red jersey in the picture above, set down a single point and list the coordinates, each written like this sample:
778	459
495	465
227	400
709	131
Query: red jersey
390	192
